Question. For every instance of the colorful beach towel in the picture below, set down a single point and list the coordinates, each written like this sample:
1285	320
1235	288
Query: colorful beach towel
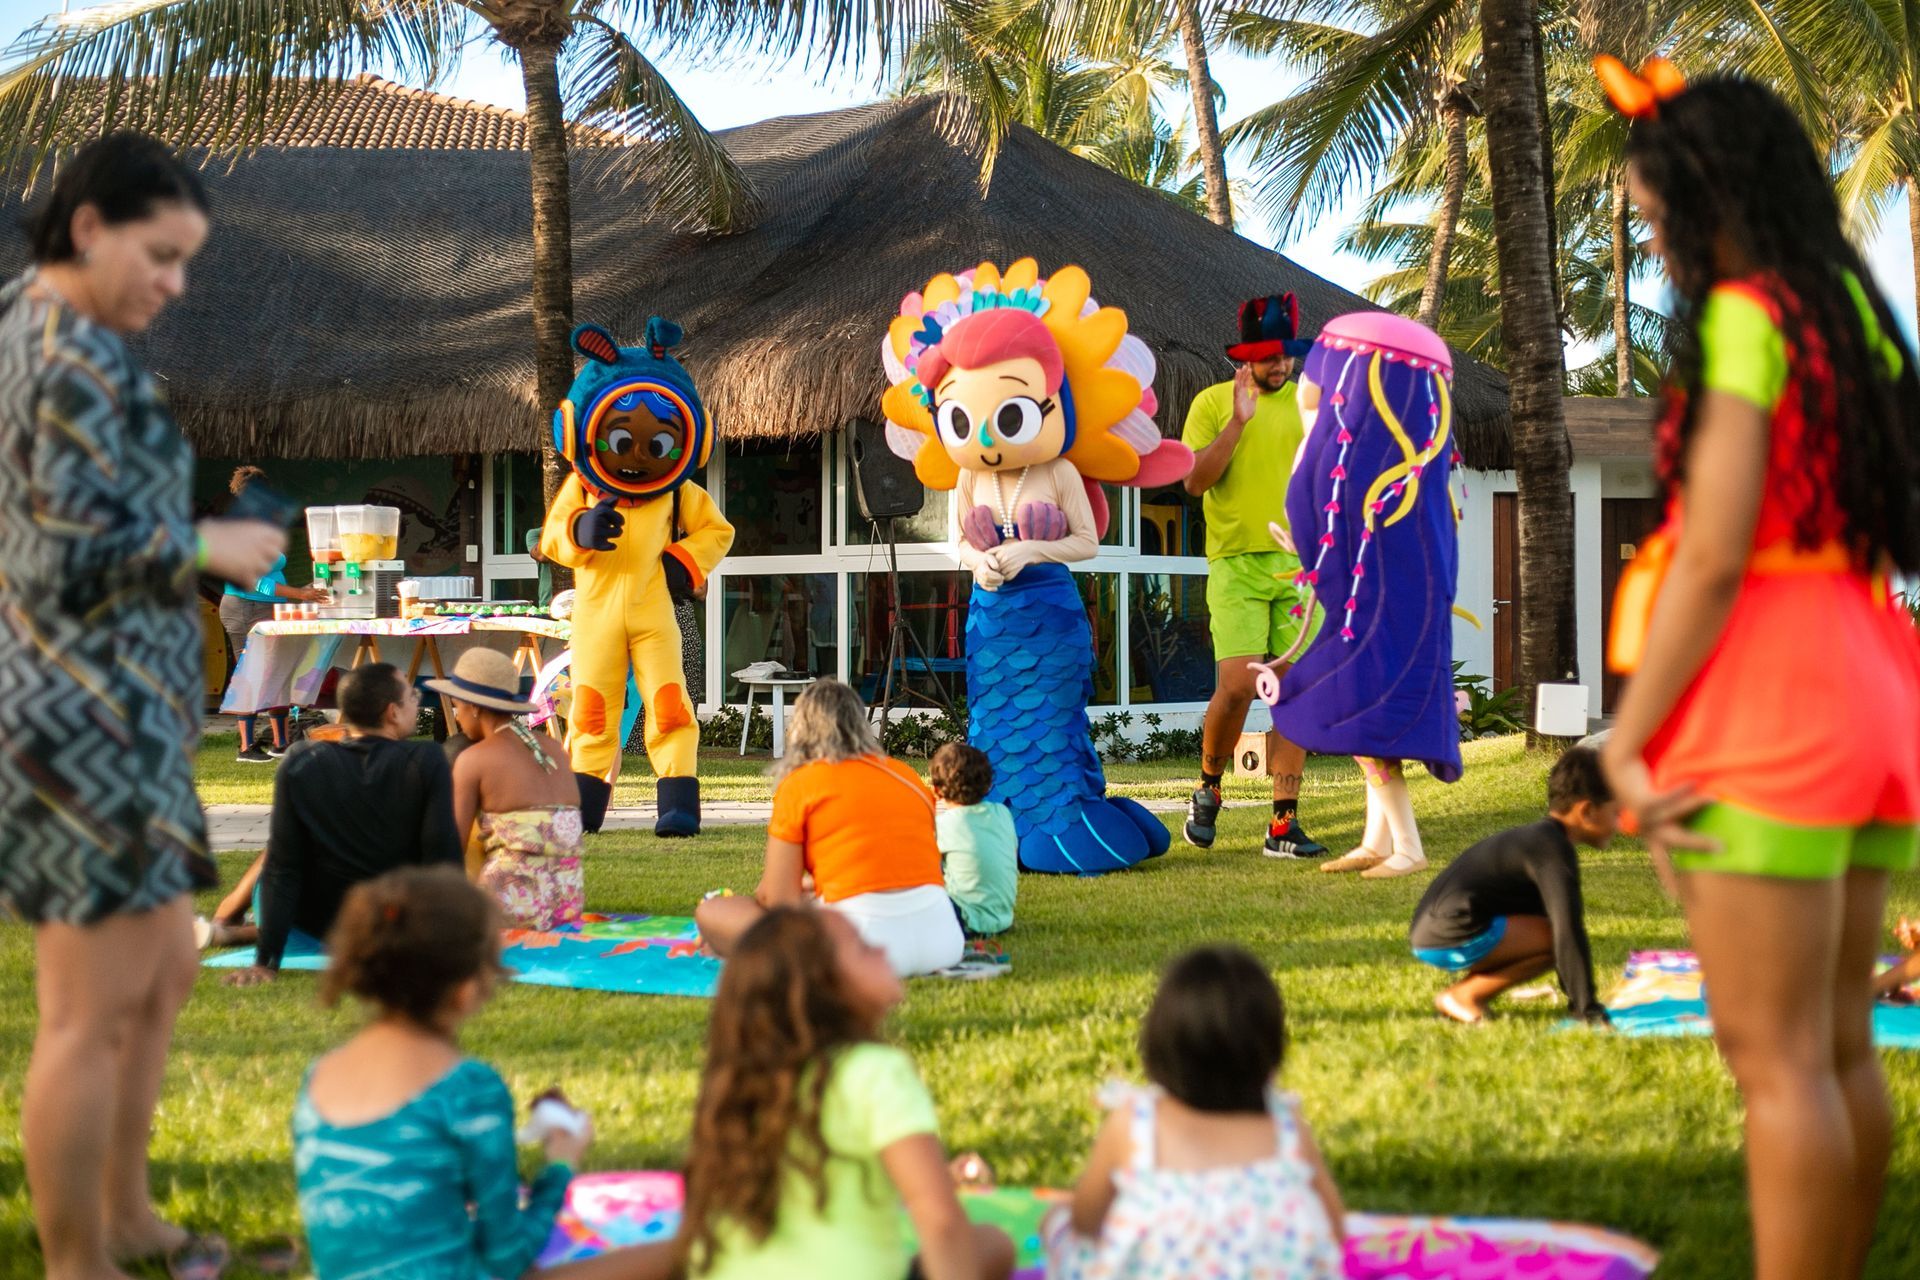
628	953
611	1210
1662	995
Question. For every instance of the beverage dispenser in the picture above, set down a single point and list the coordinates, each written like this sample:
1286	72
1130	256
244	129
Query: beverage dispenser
369	543
323	544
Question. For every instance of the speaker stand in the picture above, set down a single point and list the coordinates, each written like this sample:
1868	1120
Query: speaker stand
901	640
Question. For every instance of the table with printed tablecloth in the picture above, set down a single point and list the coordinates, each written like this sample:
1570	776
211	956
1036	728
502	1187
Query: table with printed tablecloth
286	663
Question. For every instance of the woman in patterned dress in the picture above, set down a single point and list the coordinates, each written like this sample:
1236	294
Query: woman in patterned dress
101	834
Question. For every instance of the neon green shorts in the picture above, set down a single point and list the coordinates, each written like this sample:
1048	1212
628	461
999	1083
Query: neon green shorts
1756	845
1250	602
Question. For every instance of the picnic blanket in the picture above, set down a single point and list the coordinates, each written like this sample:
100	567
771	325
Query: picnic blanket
630	953
610	1210
1662	995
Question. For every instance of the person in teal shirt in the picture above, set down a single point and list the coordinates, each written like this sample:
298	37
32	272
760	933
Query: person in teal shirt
979	848
403	1147
243	608
1245	435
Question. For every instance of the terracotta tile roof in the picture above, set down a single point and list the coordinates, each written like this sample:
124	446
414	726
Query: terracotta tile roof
366	113
369	113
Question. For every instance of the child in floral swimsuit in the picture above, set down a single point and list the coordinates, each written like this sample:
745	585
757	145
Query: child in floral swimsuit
1211	1172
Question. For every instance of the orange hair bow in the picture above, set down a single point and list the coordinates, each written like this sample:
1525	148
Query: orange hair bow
1638	94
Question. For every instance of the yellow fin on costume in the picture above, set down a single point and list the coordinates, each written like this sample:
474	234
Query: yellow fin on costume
1472	621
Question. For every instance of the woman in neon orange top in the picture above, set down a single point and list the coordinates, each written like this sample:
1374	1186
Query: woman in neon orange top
860	827
1770	740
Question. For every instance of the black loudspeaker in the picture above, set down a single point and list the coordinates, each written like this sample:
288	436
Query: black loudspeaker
883	481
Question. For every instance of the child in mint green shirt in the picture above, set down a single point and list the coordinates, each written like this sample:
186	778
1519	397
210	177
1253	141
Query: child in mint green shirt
979	851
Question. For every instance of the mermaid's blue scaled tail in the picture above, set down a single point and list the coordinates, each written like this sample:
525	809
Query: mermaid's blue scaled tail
1029	677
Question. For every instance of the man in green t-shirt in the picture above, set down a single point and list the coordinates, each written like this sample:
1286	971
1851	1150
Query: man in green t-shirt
1244	435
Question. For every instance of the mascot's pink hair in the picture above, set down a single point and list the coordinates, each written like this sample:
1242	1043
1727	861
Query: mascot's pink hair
988	337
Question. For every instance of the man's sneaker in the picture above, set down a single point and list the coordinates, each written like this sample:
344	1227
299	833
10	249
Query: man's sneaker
254	755
1290	840
1203	813
275	750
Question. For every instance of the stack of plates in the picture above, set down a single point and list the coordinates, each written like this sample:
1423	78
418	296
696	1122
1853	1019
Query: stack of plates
445	588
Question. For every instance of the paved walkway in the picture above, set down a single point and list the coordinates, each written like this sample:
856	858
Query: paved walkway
244	826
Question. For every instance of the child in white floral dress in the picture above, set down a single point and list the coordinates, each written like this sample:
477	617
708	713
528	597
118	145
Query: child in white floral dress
1211	1172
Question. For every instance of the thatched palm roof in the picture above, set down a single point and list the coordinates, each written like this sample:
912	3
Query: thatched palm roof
374	301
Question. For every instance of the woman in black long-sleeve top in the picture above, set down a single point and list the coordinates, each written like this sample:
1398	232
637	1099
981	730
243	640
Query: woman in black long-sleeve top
1509	908
101	833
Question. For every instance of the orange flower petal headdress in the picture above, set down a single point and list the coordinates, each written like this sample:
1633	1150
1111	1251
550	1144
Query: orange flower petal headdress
1638	94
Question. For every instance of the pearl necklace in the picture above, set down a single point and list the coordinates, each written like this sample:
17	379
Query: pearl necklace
1007	508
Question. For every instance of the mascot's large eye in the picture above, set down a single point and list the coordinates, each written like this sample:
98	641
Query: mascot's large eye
619	440
956	424
1017	420
662	444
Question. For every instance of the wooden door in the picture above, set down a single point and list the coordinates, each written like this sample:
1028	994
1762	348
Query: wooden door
1506	591
1623	523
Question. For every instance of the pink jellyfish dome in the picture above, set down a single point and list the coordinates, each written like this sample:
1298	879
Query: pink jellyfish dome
1394	335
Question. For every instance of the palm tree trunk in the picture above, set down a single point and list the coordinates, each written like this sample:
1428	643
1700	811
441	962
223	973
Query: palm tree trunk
1913	231
1622	270
1453	118
1206	121
1521	165
552	239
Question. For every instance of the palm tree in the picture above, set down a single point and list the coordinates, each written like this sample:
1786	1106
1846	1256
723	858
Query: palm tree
1206	116
169	65
1101	102
1468	315
1520	165
1874	47
1409	74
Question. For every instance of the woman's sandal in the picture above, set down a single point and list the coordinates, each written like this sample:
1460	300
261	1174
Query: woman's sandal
277	1256
202	1257
1445	1006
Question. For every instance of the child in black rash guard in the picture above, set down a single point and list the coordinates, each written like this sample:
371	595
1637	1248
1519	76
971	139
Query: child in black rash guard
1508	909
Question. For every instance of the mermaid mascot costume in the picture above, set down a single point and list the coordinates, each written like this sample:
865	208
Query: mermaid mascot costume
637	533
1374	521
1068	393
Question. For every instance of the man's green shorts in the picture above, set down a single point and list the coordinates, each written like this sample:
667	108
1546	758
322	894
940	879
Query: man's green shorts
1250	603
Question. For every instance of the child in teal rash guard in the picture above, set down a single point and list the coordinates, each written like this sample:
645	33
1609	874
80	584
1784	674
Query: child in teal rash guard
403	1146
979	849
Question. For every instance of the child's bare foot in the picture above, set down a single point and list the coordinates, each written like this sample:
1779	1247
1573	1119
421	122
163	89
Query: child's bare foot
1459	1009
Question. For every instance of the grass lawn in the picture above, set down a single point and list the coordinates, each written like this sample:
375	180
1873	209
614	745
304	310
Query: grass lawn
1518	1117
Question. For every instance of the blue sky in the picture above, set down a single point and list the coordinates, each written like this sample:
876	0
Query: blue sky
722	98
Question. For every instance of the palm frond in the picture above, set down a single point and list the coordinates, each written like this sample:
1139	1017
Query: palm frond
1311	152
689	175
229	69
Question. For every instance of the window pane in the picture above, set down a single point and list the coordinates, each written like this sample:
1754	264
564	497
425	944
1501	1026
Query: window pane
1115	535
934	605
1170	523
517	509
523	590
777	617
773	497
1101	592
930	525
1171	649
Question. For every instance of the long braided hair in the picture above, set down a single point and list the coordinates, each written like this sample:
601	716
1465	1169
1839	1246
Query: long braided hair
1733	167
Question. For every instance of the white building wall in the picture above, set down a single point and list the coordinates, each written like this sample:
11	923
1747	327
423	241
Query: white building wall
1473	592
1592	480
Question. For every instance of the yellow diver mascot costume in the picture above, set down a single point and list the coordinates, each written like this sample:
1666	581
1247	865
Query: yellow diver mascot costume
637	532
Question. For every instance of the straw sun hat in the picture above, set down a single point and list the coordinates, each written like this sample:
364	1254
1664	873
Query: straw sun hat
485	678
